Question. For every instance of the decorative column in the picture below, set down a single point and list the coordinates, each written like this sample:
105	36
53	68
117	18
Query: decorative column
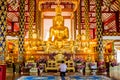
31	18
38	22
71	29
3	26
22	30
99	30
75	24
79	19
86	16
42	26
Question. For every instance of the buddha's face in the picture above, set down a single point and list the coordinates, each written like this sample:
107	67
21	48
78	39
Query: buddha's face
59	21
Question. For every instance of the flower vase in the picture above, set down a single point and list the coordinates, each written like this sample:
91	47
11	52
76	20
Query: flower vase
81	71
41	70
104	73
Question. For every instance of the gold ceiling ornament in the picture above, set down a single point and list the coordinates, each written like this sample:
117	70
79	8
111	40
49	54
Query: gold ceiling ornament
75	2
58	10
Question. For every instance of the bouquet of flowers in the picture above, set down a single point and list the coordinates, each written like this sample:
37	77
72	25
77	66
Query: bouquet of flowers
113	63
42	60
79	60
80	67
91	64
68	56
40	67
52	55
29	65
101	66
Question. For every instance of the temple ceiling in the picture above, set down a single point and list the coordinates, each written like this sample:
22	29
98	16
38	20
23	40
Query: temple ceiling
110	12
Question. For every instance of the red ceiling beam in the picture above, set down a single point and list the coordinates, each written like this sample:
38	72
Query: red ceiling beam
13	10
93	20
110	19
8	22
117	18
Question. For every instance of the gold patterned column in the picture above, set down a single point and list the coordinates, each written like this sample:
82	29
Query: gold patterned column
31	18
86	16
22	30
3	26
75	24
38	22
79	19
71	29
42	26
99	30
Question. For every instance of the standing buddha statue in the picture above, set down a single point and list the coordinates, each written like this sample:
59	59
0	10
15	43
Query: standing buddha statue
58	32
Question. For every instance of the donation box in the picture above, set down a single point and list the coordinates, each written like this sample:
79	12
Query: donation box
2	72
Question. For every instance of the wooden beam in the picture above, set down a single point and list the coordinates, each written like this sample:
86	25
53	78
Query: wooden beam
53	10
50	17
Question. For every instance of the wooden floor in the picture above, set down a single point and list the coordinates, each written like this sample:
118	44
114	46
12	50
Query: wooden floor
14	76
114	74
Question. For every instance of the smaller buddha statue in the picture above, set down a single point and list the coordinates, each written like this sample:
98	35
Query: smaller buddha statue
78	37
72	47
107	59
31	59
88	58
111	57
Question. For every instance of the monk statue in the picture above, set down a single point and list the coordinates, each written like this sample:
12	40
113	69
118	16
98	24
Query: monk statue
58	32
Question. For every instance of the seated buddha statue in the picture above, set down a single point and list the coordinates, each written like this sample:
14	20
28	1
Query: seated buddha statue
58	32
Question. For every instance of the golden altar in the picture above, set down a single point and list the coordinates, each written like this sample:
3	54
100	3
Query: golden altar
59	42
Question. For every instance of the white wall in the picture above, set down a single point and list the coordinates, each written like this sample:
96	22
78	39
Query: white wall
112	37
46	25
10	37
118	56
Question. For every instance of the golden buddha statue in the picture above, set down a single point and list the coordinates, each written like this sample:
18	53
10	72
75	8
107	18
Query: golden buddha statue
58	32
